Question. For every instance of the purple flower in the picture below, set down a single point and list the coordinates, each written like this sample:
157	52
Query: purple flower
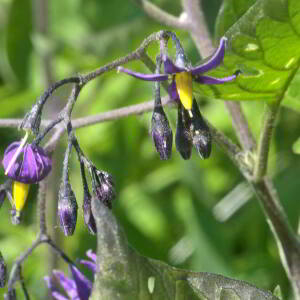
77	288
182	76
27	163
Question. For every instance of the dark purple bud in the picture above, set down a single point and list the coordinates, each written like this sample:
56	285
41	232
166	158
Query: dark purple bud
30	166
160	129
67	209
200	132
3	271
10	295
89	219
32	120
103	187
183	138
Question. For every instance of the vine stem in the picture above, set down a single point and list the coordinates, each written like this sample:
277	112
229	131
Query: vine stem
268	124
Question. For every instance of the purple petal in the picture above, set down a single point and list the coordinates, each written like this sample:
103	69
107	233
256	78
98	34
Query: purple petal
32	165
84	286
68	284
58	296
212	80
92	266
8	155
90	254
54	292
146	77
29	168
171	68
214	61
172	91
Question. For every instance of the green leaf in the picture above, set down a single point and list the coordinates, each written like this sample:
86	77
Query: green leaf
18	42
264	43
127	275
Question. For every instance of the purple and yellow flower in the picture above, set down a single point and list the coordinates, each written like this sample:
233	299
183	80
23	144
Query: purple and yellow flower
182	76
76	288
25	164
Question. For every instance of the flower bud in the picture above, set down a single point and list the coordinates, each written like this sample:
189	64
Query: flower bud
3	271
183	138
200	132
67	209
89	219
103	187
160	129
161	133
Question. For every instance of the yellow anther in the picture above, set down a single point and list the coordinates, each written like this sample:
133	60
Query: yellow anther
185	89
20	193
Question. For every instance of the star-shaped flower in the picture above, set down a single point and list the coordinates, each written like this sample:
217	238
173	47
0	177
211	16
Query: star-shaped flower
77	288
182	76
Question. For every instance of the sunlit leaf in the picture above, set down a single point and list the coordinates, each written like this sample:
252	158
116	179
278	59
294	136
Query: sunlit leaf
264	43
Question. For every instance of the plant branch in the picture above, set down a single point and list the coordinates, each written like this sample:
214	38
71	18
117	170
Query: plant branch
241	126
261	162
287	241
162	16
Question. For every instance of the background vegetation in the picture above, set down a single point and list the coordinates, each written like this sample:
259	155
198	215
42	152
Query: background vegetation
169	210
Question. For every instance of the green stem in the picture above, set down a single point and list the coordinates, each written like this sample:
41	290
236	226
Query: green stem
269	117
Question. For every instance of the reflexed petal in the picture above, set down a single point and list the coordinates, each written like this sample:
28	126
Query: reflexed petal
212	80
147	77
84	286
58	296
32	165
8	155
89	264
214	61
171	68
68	284
172	90
54	292
90	254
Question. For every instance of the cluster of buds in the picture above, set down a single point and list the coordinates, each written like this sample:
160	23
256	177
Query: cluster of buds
28	163
102	187
192	129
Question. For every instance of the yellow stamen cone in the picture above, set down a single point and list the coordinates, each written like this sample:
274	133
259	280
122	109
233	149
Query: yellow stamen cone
185	89
20	193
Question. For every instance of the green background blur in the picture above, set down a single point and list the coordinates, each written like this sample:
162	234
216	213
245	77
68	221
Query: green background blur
167	208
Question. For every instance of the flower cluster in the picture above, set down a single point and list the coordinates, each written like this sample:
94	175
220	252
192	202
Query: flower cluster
191	127
77	288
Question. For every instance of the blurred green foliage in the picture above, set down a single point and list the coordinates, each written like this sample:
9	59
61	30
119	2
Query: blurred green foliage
165	208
